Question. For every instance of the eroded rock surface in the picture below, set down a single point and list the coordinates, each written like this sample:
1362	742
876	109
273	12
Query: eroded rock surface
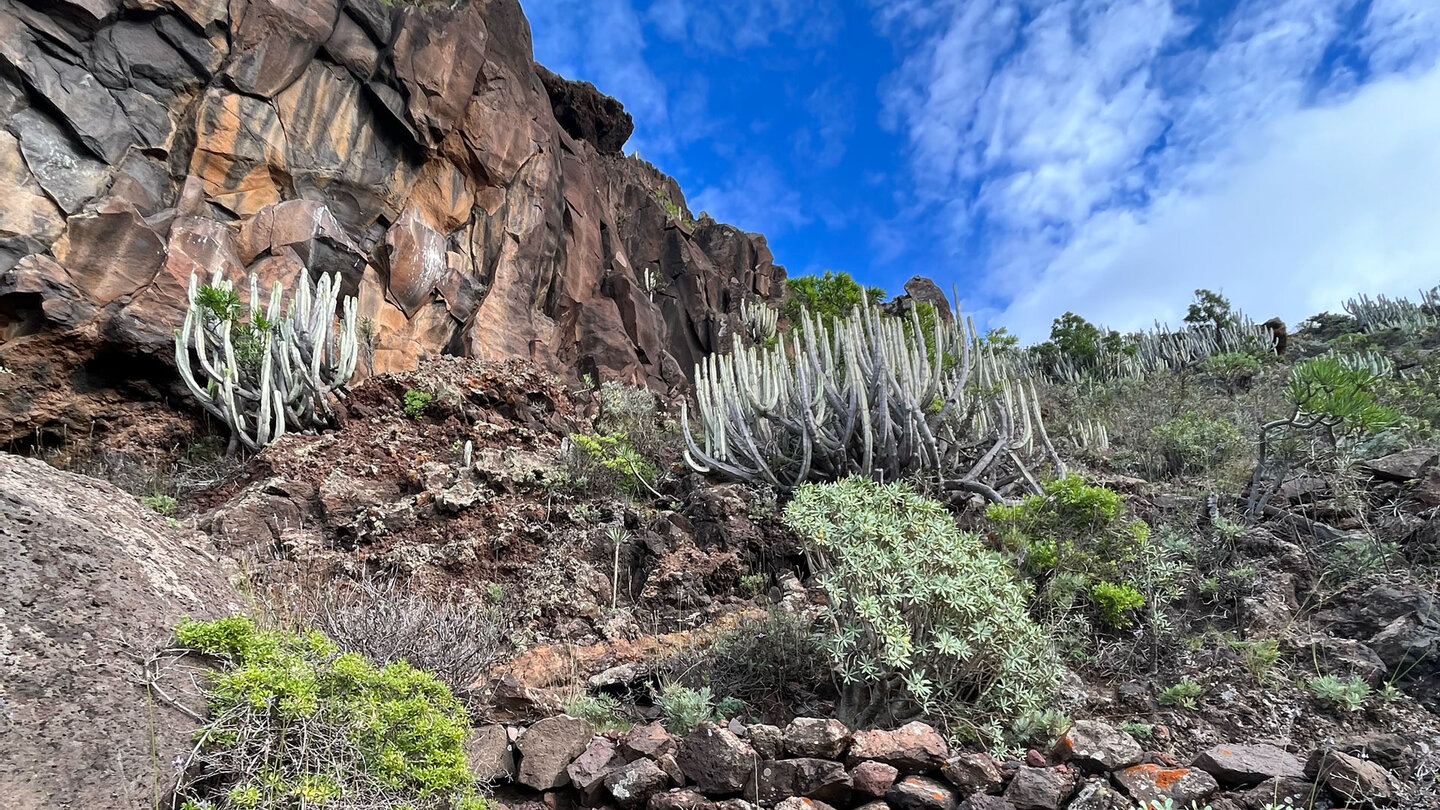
474	202
91	578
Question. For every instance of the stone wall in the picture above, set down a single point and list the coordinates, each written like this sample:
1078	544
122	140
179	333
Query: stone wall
413	148
819	764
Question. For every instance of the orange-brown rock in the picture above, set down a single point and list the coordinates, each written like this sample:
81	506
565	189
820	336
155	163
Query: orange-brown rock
473	206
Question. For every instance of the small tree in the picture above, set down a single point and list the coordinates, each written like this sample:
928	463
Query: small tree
926	620
1210	309
829	296
1332	405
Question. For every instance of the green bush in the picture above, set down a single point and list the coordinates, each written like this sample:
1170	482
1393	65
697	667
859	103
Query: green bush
1115	602
927	619
160	503
829	296
682	709
776	666
1193	443
1233	372
416	402
606	464
295	723
1345	694
1182	695
603	712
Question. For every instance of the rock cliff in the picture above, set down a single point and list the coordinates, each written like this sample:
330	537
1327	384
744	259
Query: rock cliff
475	203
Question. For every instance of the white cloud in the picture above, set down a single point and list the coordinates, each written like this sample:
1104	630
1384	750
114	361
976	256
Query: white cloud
1326	203
756	199
1109	156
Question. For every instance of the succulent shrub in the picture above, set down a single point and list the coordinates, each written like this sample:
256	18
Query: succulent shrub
682	708
1115	603
870	395
1182	695
606	464
1232	372
1332	407
293	722
1193	443
777	666
1345	694
926	619
416	402
265	370
160	503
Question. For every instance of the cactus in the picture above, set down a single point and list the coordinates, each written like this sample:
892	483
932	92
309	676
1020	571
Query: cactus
760	320
1380	313
268	374
870	395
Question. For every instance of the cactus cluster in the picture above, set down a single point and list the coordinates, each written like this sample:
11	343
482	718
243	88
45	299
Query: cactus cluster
1381	312
760	320
1161	349
872	395
265	374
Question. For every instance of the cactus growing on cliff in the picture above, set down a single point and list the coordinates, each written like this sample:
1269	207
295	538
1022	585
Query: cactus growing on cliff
263	373
874	395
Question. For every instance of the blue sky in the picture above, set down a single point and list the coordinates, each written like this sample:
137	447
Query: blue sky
1105	157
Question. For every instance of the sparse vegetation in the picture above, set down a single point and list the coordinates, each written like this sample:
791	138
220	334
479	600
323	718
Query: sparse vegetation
1345	694
416	402
1182	695
160	503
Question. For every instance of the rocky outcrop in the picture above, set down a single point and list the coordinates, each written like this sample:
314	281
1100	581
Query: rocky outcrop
475	203
92	582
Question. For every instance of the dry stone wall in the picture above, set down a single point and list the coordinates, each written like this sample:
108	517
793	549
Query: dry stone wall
817	764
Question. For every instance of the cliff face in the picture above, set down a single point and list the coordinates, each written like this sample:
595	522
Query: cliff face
475	203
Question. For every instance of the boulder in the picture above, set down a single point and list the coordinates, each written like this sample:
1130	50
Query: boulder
768	741
821	779
679	799
91	578
1284	791
973	773
1350	779
1040	788
1097	794
1153	782
1404	466
547	749
488	750
811	737
921	793
632	785
716	760
1099	746
648	740
1234	765
912	748
873	779
985	801
589	770
798	803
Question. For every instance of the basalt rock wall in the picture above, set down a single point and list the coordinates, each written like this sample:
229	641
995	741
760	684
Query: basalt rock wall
475	203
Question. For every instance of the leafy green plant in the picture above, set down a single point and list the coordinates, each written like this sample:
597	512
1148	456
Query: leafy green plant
607	463
1260	656
1115	603
951	637
1232	371
160	503
1182	695
1140	731
1346	694
416	402
829	296
603	712
295	723
1071	539
1193	443
1210	309
1077	347
1040	728
752	585
683	709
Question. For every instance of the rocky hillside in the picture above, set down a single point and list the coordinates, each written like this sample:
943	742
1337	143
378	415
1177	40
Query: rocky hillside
476	203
